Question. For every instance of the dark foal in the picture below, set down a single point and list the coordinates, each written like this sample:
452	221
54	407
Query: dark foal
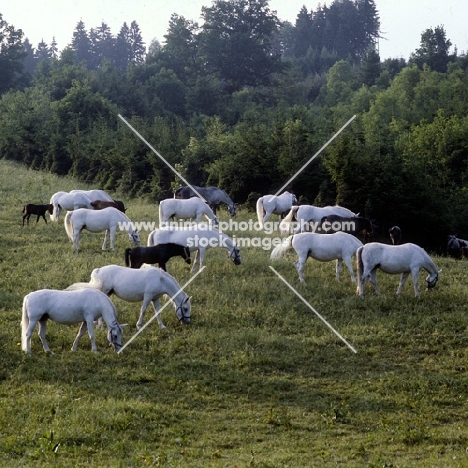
160	254
39	210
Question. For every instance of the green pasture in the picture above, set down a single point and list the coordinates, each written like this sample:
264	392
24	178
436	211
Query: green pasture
256	380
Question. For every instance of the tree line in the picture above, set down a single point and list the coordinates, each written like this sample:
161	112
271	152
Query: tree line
242	102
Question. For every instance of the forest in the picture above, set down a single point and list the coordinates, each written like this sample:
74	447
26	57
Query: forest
242	101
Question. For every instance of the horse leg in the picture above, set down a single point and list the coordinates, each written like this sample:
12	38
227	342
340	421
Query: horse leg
350	268
338	268
403	279
106	236
28	335
373	280
300	268
81	332
44	218
42	335
201	257
415	276
144	305
155	303
76	239
195	260
112	237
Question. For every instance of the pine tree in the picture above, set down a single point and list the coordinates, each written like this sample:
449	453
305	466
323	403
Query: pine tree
136	43
43	52
81	44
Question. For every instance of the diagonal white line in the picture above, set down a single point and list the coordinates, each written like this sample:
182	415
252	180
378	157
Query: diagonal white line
311	308
315	155
160	310
160	157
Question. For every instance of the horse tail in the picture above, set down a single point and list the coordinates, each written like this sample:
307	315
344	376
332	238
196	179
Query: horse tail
127	256
359	268
68	225
24	209
281	249
260	211
95	283
286	222
24	323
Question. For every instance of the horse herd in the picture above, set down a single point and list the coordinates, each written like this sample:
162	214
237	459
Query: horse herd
96	211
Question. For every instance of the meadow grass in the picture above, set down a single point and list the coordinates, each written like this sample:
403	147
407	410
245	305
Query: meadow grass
257	380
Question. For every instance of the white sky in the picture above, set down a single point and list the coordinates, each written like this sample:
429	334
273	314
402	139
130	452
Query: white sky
402	21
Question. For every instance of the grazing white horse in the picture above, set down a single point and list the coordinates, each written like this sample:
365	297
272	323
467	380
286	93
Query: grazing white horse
68	201
394	259
274	204
305	214
108	219
339	246
69	307
197	238
145	284
95	194
191	208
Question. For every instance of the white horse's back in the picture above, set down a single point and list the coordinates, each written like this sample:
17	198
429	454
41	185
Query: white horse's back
190	208
95	194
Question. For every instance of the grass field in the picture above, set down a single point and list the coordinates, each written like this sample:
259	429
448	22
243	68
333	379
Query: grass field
257	380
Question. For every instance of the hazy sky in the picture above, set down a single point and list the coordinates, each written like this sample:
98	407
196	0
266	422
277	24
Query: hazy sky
402	21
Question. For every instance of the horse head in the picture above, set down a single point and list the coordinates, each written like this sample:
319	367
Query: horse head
232	210
183	310
115	335
134	237
234	255
431	280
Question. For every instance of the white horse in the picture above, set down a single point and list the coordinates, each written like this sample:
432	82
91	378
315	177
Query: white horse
108	219
69	307
95	194
197	238
68	201
306	214
394	259
339	246
191	208
145	284
274	204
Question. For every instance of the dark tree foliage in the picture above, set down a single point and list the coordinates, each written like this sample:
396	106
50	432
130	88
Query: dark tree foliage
81	44
180	50
434	50
347	30
12	55
43	52
235	42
